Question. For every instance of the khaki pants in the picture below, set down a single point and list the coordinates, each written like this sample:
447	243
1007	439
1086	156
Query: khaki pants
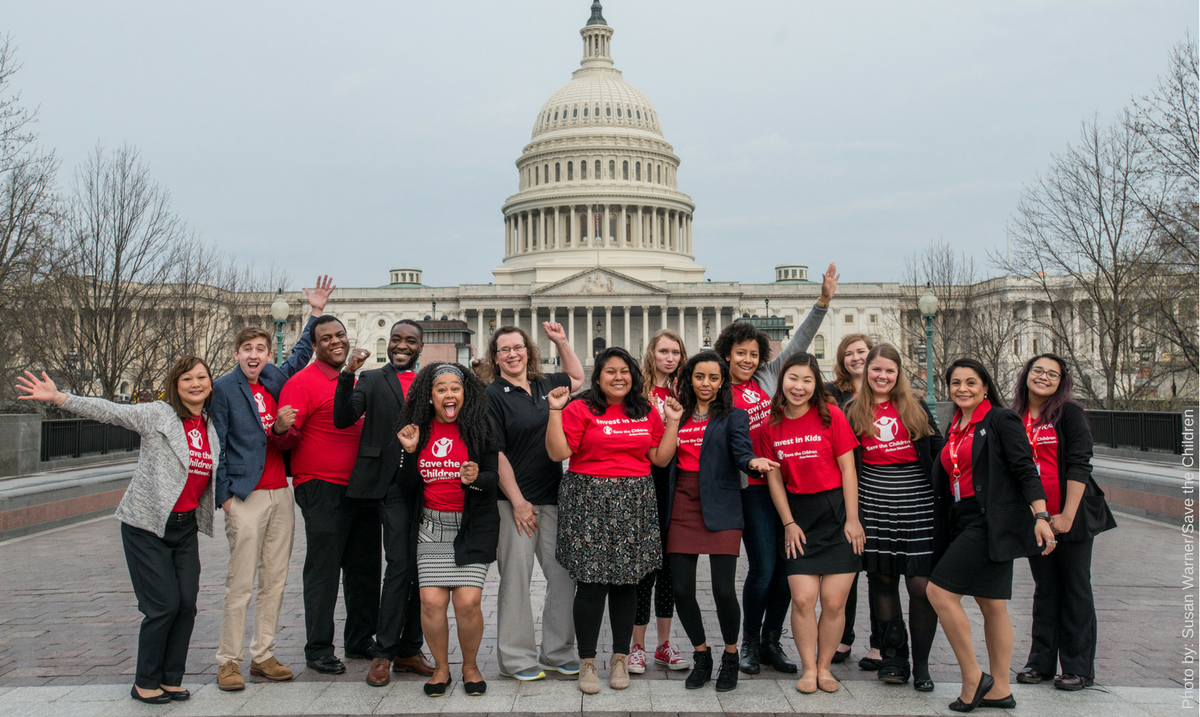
260	531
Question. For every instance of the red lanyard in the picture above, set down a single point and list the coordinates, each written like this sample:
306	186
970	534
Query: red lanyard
1031	432
954	447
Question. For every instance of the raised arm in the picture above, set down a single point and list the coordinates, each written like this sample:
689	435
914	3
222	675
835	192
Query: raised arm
803	336
662	454
556	439
140	417
350	397
570	362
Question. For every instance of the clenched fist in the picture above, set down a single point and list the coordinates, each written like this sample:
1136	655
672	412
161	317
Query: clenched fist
469	471
357	358
559	398
285	418
409	437
673	409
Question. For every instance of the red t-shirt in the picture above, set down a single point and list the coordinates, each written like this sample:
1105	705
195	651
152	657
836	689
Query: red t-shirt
892	444
1043	439
325	452
612	445
808	451
273	476
406	380
755	402
200	468
439	464
658	399
691	438
956	456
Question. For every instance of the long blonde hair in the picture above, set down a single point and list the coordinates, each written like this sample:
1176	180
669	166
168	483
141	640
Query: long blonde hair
841	377
648	365
861	410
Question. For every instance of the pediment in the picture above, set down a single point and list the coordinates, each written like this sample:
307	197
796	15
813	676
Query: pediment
599	282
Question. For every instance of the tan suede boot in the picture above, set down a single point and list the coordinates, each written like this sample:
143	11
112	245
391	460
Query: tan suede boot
589	679
618	672
229	677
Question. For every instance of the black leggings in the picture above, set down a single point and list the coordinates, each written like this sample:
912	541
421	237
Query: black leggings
884	591
724	590
589	614
658	582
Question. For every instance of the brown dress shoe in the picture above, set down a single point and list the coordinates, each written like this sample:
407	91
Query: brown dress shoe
418	663
272	669
229	677
378	675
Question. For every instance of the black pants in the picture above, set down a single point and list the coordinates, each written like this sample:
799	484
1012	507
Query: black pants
657	581
1064	611
166	579
724	589
852	614
589	614
343	540
398	633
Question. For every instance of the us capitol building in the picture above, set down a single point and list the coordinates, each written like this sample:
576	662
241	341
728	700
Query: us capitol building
599	238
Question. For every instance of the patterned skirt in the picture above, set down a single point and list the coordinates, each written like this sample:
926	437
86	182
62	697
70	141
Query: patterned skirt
608	529
896	502
435	554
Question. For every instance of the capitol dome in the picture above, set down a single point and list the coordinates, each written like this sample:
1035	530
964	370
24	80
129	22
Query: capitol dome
597	183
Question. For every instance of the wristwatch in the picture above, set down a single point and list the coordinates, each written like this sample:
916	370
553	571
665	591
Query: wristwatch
1043	515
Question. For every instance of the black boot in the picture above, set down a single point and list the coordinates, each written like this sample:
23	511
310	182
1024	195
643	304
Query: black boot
769	650
702	665
749	663
893	665
727	674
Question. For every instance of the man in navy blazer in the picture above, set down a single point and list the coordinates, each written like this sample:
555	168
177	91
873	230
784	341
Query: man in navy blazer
251	487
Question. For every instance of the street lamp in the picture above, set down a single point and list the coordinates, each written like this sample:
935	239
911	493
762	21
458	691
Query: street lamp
279	312
928	304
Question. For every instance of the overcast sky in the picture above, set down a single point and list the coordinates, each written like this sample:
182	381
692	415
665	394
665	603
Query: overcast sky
354	137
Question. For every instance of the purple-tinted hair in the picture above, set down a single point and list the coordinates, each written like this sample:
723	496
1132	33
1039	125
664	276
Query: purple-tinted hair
1052	409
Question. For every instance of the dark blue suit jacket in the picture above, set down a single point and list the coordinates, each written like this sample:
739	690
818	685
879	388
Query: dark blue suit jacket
235	416
726	450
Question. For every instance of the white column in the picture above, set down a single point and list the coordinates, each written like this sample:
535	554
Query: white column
638	233
699	327
480	344
542	228
622	239
587	336
553	353
571	328
645	326
717	323
626	344
573	234
664	317
606	226
607	326
517	233
507	235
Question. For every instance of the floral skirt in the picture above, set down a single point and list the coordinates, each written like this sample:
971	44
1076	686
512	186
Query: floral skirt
608	529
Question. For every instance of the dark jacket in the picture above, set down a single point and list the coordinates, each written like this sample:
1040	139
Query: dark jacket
479	533
1075	464
239	429
725	450
1006	482
377	394
840	397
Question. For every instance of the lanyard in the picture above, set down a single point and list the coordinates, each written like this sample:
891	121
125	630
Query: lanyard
954	446
1031	432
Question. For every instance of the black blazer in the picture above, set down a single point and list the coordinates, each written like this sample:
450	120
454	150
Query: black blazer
725	450
377	394
1005	480
1075	464
479	533
840	397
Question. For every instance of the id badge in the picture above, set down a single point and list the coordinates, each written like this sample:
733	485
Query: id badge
957	492
1039	469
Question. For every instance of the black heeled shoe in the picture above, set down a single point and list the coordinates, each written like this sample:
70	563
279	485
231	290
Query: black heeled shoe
474	689
437	689
986	683
160	699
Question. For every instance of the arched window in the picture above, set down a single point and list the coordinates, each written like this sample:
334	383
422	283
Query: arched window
597	110
546	173
555	115
557	172
637	171
618	111
819	347
585	111
381	347
625	169
660	174
537	177
597	169
583	169
570	171
575	112
639	114
608	111
612	169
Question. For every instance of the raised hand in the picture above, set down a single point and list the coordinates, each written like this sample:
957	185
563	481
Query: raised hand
357	358
763	465
318	297
559	398
409	437
673	409
829	283
39	389
468	472
554	331
285	418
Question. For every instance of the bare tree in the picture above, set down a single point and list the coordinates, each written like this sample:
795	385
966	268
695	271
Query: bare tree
993	327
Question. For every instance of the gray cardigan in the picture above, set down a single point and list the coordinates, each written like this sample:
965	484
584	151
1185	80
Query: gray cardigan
767	374
162	467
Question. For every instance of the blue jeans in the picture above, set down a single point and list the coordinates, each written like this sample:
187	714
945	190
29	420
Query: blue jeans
765	594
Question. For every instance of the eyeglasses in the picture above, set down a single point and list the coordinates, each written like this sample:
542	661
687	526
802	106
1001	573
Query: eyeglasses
510	350
1039	371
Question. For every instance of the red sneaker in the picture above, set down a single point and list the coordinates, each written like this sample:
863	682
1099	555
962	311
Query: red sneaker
668	657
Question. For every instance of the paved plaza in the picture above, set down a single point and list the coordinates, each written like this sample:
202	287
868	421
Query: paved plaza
68	627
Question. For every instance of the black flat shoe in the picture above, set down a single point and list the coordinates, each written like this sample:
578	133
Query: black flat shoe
868	664
437	689
1004	703
475	689
839	657
925	685
327	665
178	695
160	699
986	683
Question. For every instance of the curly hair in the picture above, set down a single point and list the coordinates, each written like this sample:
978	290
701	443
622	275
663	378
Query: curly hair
842	379
722	403
648	362
739	332
636	405
474	419
819	399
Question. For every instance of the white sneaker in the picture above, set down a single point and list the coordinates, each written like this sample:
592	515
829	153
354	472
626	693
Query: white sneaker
636	662
667	656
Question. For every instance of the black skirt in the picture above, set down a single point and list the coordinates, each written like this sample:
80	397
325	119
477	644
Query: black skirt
822	518
897	516
965	568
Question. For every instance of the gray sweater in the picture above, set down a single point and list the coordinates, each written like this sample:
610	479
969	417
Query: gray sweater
767	375
162	467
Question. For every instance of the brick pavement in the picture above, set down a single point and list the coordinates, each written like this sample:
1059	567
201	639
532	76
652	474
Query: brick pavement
68	616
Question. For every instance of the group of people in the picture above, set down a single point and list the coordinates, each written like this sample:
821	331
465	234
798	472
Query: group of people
436	473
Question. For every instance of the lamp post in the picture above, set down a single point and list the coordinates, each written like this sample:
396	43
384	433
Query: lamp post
928	304
279	312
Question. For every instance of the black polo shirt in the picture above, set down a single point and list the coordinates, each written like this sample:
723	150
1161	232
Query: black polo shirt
521	435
